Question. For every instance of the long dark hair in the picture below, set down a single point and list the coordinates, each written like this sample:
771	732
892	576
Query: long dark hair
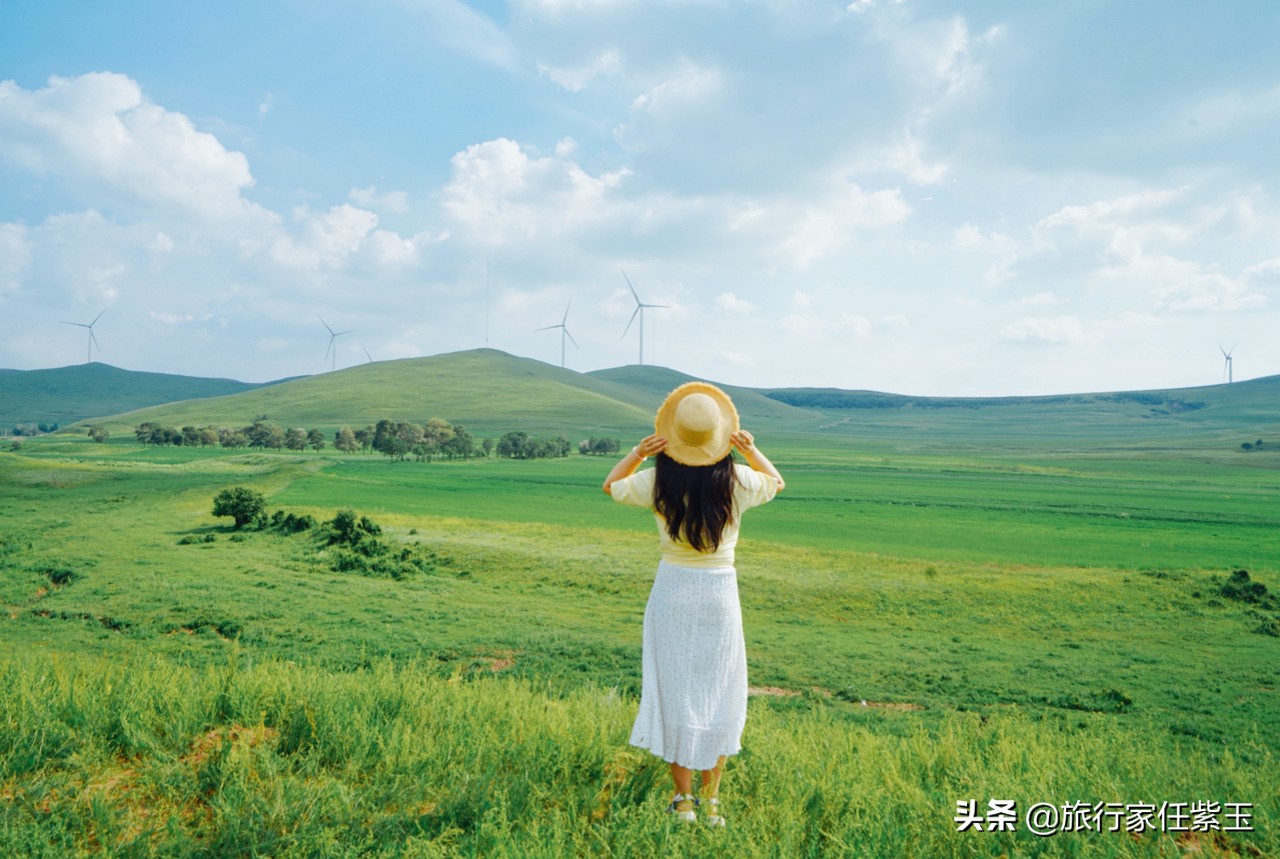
695	500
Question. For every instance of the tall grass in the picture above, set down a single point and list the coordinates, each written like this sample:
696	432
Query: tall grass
151	759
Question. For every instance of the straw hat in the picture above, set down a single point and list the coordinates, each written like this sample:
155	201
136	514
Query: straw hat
697	419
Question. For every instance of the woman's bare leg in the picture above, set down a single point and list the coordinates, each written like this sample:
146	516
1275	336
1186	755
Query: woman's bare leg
711	779
683	777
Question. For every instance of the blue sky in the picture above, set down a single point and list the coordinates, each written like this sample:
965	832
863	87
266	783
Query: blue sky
974	198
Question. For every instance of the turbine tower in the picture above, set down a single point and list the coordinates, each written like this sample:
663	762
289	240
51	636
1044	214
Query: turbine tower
333	336
564	332
1226	366
639	311
93	341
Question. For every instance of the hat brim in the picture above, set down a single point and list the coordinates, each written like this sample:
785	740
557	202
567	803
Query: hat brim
714	450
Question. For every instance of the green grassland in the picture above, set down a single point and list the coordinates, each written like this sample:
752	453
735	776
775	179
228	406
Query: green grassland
945	604
68	394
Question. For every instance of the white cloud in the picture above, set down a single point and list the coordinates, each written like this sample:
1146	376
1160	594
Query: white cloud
730	303
668	110
265	106
576	79
826	226
1046	329
396	202
100	130
968	237
502	195
1105	213
325	240
15	256
461	28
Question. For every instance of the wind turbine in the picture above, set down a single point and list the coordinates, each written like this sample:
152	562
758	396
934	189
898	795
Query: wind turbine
564	332
366	352
1226	367
639	311
93	341
333	336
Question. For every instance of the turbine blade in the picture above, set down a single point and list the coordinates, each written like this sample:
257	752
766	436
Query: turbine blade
94	339
366	352
328	348
325	324
96	318
639	307
571	340
348	331
566	312
658	305
632	288
80	324
549	327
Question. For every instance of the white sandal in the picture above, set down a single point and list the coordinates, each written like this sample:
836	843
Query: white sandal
712	817
689	816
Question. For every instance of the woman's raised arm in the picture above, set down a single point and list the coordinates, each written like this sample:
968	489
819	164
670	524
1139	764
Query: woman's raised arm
627	466
746	445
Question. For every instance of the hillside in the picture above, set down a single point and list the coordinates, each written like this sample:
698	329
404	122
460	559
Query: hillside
486	390
67	394
492	392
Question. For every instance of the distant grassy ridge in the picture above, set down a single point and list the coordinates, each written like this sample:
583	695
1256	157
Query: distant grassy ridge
485	390
491	392
82	391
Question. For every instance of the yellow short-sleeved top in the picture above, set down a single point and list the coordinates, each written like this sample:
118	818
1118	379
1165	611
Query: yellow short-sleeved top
750	489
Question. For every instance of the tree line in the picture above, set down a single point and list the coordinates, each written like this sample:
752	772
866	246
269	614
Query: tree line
398	440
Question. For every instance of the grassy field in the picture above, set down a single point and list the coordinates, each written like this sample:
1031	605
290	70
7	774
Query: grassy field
1013	634
944	605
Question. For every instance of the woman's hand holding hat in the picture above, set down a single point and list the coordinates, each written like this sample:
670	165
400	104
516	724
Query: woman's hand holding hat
650	445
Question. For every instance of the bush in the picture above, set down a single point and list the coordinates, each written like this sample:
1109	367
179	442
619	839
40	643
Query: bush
242	504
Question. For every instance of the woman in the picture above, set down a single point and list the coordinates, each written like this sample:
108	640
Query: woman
693	699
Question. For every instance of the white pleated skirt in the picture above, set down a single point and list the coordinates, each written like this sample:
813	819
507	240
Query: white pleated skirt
693	695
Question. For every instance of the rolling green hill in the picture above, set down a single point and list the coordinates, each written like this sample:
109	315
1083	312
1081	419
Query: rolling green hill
67	394
485	390
492	392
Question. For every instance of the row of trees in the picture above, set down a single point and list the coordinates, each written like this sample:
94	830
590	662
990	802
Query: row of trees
29	429
256	435
396	439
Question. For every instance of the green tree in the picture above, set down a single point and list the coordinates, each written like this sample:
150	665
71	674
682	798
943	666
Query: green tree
315	439
460	445
295	438
99	434
242	504
208	436
345	440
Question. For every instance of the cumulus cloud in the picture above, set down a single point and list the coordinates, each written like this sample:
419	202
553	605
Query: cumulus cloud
501	194
99	129
668	107
324	240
